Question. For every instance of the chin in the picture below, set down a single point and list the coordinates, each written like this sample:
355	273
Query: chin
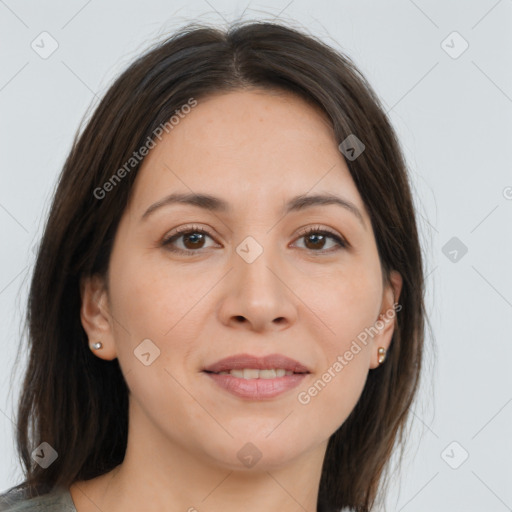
258	452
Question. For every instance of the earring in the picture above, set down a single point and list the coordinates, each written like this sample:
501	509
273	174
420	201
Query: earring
97	345
382	355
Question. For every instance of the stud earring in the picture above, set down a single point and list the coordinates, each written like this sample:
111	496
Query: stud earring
382	355
97	345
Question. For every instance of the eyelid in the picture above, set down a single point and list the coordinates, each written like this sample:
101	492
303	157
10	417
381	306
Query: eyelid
182	230
340	240
315	228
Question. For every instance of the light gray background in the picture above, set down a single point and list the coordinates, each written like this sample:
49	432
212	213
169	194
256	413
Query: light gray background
454	119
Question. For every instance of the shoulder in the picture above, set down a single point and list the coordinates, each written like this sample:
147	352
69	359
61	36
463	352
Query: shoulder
19	500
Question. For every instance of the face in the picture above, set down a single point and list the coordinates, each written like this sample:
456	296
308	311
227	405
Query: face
253	274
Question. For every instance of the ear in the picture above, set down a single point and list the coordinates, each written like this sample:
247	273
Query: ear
385	324
95	316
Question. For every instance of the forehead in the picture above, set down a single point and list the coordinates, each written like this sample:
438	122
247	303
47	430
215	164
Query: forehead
247	145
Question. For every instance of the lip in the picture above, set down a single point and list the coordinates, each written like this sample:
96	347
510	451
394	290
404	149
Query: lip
257	389
241	361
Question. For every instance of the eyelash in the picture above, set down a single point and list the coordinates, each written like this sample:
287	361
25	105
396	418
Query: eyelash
186	230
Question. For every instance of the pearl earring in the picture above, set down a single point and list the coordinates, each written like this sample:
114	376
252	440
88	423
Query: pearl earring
97	345
382	355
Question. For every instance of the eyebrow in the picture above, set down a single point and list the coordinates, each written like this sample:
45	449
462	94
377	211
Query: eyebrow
216	204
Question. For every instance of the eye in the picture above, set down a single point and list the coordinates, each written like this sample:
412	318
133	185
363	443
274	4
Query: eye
193	239
315	238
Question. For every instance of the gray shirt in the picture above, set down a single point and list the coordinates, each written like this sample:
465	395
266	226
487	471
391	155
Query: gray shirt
16	500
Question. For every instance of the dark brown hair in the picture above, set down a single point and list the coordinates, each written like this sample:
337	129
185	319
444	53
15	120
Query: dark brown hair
77	402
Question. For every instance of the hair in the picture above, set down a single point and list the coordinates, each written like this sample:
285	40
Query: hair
77	402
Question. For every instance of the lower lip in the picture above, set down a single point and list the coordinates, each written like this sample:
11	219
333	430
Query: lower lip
257	389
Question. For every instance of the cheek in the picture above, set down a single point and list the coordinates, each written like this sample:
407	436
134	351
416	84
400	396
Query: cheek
149	298
351	304
350	309
337	385
154	313
334	394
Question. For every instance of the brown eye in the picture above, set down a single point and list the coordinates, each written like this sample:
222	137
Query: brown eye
315	240
196	240
192	240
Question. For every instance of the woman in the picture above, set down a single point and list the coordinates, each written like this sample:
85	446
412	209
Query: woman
228	296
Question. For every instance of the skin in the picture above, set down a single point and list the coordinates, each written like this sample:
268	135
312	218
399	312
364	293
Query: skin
255	149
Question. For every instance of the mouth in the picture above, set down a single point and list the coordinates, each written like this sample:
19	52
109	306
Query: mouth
250	364
255	373
257	378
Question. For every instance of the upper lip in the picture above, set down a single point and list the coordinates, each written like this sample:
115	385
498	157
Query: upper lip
241	361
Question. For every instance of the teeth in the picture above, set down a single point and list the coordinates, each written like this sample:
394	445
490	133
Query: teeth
252	373
263	374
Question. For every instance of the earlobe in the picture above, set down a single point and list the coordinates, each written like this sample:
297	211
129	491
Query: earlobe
96	318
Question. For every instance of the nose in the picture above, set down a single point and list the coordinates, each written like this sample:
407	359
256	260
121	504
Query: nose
258	295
